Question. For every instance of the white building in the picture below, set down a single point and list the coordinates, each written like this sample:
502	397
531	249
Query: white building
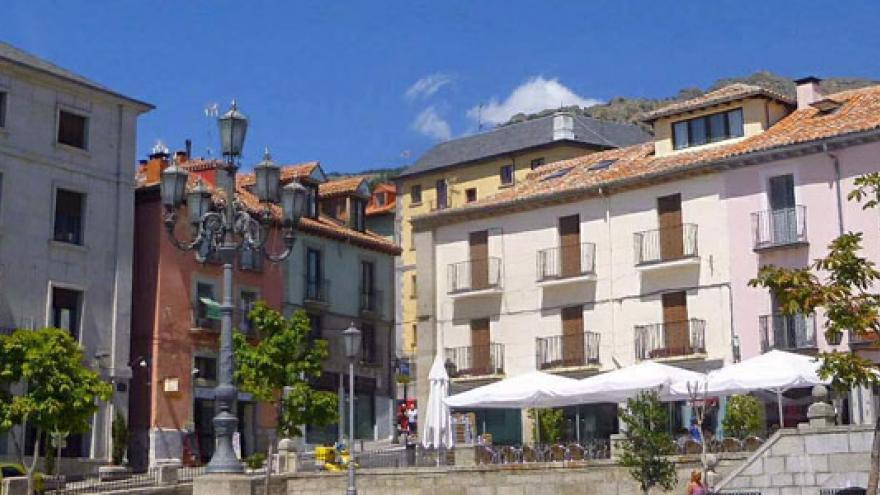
67	149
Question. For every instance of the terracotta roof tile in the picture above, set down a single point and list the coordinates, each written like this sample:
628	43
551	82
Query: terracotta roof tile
722	95
348	185
288	173
859	112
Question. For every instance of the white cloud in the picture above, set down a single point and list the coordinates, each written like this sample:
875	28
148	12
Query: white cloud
534	95
431	124
427	86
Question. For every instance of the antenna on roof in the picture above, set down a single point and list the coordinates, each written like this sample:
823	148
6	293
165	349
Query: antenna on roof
211	112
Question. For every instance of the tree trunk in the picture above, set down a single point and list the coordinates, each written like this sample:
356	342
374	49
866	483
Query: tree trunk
874	476
33	466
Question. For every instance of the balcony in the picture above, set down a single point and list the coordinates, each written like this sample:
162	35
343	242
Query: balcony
371	302
317	292
474	278
671	340
782	228
795	332
666	247
867	339
478	361
567	264
568	351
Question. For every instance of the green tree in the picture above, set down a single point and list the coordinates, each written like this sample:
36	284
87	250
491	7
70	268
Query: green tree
843	284
647	445
57	389
548	424
743	416
284	358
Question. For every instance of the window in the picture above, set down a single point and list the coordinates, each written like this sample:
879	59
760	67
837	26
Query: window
313	274
415	194
312	201
251	259
380	199
557	174
205	317
205	368
68	216
415	287
315	332
72	129
358	214
470	194
415	337
442	197
368	343
367	280
246	300
2	109
537	162
601	165
707	129
507	175
66	304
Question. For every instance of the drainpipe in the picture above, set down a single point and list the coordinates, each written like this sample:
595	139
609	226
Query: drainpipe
610	270
836	162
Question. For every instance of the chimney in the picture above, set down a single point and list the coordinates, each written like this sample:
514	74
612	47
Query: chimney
563	126
189	148
808	91
157	163
181	156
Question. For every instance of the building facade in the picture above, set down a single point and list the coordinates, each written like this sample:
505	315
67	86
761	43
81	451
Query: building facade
645	252
338	273
466	170
66	196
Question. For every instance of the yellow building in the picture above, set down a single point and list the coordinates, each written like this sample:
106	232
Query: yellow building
457	172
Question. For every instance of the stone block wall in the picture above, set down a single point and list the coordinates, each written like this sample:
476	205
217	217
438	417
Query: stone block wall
804	460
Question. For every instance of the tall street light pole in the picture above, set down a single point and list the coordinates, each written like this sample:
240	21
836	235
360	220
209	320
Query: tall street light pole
352	339
222	227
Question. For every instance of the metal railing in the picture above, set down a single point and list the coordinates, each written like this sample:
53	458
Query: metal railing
316	291
567	351
466	276
666	244
787	332
478	360
670	339
557	263
781	227
371	301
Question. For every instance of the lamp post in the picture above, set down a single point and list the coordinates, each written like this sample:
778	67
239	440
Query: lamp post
221	228
352	338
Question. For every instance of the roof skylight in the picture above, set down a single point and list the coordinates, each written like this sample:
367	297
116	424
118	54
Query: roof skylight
557	174
602	165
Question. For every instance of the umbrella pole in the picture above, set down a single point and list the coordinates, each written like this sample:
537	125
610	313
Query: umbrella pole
779	403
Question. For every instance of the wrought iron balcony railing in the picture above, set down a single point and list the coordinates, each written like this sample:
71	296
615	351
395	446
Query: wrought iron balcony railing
787	332
666	244
476	360
371	301
670	339
474	275
317	291
781	227
566	261
567	351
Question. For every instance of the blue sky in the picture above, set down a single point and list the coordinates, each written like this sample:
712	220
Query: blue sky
359	85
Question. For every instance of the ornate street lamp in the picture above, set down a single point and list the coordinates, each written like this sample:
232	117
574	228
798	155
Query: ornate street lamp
351	337
222	228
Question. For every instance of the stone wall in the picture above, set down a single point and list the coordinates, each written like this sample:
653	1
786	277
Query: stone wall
583	478
804	460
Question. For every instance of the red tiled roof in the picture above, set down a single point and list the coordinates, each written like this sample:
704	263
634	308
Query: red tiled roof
288	173
348	185
859	112
728	93
322	226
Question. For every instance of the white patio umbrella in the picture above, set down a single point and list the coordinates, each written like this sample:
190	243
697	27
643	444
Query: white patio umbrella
532	389
625	383
437	430
776	371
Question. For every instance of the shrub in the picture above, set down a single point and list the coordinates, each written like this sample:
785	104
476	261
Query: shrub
744	416
255	461
120	439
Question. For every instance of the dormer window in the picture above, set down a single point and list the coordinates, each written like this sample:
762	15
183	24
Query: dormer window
380	199
707	129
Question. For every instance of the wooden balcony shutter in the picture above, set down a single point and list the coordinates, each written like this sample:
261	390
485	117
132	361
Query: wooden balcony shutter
675	322
671	233
573	336
570	245
479	246
480	347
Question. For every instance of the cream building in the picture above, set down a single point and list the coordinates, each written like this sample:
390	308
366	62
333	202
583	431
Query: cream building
608	259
